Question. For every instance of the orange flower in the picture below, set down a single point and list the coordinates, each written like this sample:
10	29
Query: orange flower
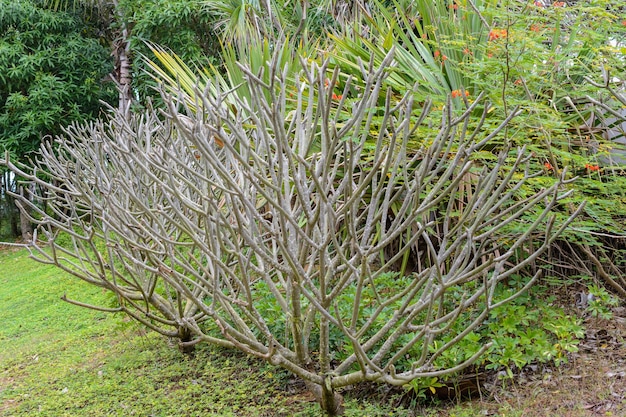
497	34
624	22
337	96
590	167
538	4
559	4
459	93
535	28
548	166
439	56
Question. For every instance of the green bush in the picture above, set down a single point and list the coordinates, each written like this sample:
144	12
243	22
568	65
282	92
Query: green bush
52	73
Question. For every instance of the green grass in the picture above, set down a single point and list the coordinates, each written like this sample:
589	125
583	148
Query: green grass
57	359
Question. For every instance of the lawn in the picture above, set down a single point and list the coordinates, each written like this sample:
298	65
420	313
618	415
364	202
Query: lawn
57	359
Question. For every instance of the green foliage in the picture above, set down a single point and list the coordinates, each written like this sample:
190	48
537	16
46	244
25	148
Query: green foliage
600	302
51	74
530	329
554	62
178	78
523	334
432	40
562	67
185	27
422	387
548	61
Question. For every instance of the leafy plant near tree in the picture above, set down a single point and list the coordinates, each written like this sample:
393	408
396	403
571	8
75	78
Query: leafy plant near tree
562	63
51	74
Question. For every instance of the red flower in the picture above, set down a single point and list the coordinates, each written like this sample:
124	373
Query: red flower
459	93
497	34
439	56
624	22
590	167
538	4
337	96
548	166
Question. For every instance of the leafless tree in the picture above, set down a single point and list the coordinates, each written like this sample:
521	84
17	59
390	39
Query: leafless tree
214	223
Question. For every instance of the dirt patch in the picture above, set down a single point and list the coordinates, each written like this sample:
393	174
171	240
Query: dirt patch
592	383
7	404
10	247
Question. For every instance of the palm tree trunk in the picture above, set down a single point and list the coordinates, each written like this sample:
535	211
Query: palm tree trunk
121	53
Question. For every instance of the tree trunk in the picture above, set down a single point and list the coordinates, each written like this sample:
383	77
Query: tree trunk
125	77
330	401
121	53
9	209
26	227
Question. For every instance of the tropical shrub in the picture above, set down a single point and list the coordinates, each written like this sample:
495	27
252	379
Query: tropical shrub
292	221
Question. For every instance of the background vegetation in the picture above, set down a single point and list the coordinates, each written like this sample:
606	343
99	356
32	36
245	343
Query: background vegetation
53	72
